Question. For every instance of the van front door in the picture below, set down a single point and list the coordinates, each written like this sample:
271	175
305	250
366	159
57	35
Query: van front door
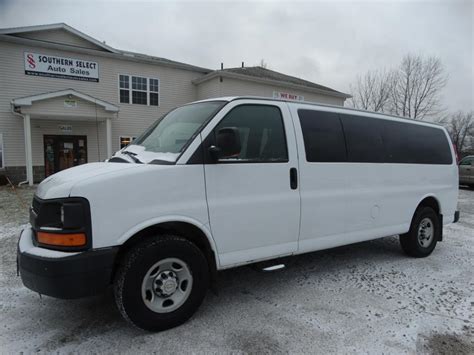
252	193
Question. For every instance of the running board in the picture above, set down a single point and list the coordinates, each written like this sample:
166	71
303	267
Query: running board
274	267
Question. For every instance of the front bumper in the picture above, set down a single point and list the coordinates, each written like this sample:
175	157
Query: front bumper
64	275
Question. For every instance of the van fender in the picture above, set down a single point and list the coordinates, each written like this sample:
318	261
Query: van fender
173	218
426	196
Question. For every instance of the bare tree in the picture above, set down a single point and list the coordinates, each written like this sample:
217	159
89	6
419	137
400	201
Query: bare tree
373	91
413	89
460	126
418	83
262	64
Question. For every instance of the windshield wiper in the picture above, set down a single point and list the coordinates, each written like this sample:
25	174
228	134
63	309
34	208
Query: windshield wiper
133	156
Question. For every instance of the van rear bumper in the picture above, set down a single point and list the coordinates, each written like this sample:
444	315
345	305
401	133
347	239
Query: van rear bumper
80	275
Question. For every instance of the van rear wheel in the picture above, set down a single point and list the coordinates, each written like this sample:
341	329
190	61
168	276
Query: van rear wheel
161	283
424	233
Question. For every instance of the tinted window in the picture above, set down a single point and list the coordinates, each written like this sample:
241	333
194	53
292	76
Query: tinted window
262	134
415	144
363	139
323	136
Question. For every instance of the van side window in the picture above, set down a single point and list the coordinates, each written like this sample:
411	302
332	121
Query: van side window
262	133
323	136
363	138
415	144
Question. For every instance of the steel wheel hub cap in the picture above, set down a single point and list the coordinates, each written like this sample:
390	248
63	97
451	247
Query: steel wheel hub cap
425	232
166	285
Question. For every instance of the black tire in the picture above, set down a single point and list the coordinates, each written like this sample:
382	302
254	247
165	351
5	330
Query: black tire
410	242
134	267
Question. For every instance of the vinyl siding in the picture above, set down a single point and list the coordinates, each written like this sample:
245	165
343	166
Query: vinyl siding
59	36
235	87
85	110
209	89
175	89
79	128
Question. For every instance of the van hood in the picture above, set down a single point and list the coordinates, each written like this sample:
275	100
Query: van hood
60	184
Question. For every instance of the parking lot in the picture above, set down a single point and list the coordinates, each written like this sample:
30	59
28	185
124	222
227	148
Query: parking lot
363	298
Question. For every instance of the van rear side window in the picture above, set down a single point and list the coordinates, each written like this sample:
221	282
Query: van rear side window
333	137
407	143
323	136
363	138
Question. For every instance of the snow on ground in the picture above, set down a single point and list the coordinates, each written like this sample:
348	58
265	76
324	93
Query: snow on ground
363	298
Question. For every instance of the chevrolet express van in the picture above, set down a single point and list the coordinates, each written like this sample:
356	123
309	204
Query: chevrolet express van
226	182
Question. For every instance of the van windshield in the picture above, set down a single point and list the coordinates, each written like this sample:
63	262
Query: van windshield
171	134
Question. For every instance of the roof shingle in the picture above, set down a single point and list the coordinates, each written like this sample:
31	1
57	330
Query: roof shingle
265	73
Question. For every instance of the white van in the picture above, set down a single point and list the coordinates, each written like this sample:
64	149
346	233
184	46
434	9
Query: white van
226	182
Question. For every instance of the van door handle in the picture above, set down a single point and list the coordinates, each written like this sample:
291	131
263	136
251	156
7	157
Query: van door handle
293	178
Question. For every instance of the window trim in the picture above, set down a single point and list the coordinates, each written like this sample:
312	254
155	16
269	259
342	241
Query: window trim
120	89
149	92
130	90
210	140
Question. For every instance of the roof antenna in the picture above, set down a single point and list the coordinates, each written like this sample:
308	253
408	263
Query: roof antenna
243	65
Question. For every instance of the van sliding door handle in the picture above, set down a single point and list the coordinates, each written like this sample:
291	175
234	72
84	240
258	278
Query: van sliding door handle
293	178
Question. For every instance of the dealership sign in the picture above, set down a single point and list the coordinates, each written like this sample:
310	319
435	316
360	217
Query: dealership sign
59	67
287	96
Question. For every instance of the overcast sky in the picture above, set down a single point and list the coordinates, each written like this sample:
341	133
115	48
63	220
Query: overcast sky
328	42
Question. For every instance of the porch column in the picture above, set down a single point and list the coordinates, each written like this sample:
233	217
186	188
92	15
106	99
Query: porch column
28	150
109	137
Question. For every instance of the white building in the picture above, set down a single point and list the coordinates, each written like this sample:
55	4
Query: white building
67	98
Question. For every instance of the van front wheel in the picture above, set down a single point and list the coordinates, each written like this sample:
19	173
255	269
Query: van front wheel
424	233
161	282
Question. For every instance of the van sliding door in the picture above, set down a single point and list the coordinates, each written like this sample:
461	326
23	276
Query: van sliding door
323	175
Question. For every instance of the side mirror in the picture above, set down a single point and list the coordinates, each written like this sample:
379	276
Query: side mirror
227	143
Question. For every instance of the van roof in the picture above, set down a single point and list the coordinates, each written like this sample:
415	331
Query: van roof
342	108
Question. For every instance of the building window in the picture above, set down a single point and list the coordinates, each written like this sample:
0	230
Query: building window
126	140
124	85
154	92
2	160
141	91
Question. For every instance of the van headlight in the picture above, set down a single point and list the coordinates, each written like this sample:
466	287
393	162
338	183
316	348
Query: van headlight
62	224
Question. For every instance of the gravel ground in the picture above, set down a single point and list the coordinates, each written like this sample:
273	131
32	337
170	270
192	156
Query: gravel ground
363	298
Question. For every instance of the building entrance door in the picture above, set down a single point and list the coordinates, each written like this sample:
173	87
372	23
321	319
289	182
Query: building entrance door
62	152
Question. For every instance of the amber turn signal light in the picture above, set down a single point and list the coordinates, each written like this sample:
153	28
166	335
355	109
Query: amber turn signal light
63	240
